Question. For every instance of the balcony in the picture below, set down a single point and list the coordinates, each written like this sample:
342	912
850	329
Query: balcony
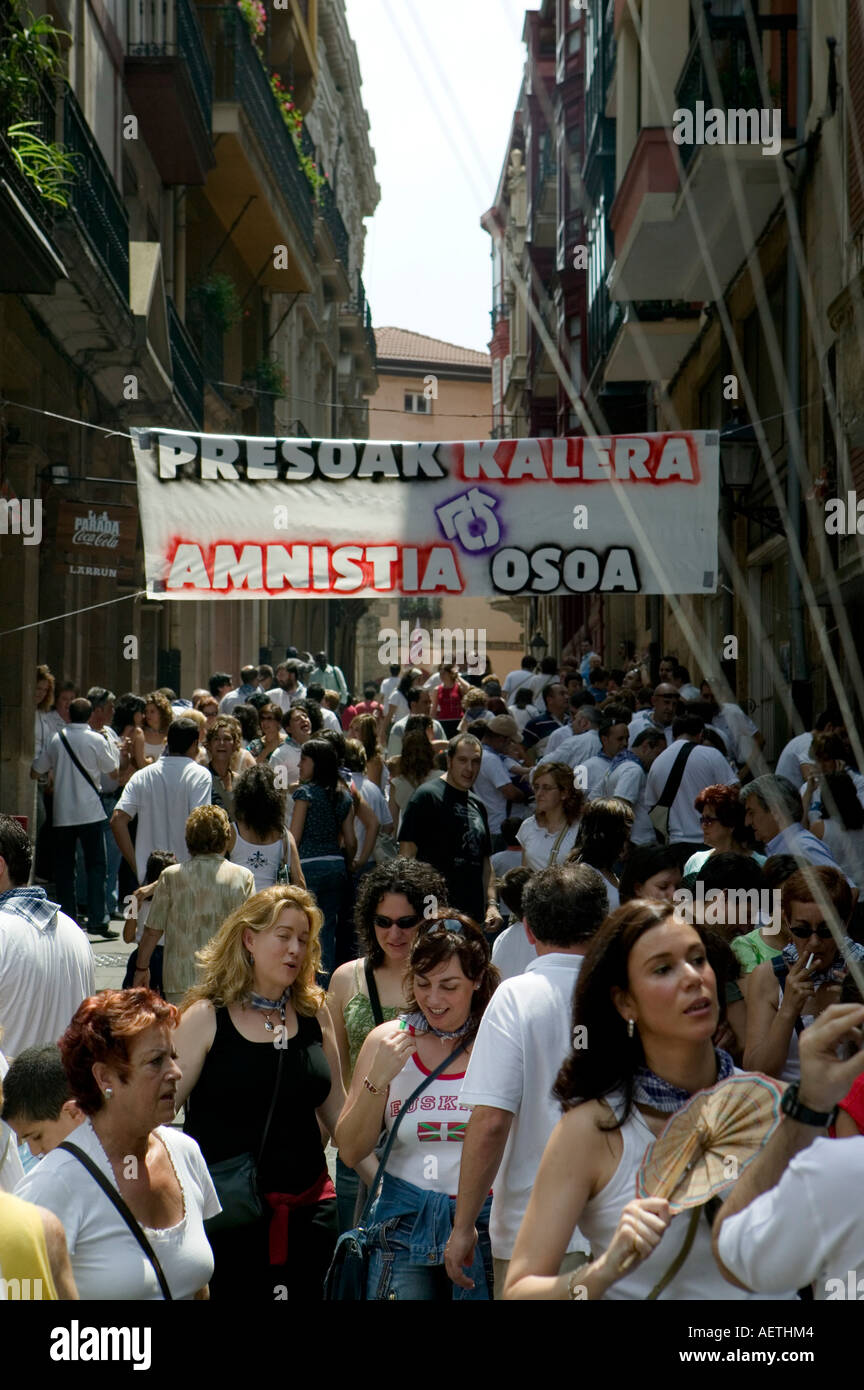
733	188
258	189
544	201
500	314
95	199
652	341
291	38
355	323
332	243
170	86
29	262
186	368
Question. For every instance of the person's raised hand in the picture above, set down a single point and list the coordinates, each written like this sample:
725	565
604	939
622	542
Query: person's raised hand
390	1056
825	1077
641	1228
798	989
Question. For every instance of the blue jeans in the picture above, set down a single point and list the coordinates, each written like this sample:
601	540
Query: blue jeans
328	880
409	1228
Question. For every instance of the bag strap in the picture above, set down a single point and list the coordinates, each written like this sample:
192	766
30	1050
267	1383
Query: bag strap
114	1197
427	1081
676	1264
557	845
374	999
673	781
77	761
281	1052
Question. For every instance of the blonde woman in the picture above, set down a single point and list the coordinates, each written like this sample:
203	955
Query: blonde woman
256	1026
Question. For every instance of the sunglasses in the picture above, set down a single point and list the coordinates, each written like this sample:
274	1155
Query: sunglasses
403	923
804	933
709	820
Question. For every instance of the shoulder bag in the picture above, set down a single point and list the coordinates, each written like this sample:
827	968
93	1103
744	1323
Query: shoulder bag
659	813
347	1277
236	1179
114	1197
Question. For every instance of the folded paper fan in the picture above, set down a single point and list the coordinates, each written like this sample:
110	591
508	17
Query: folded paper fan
708	1143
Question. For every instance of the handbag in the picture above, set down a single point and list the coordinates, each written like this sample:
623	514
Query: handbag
346	1279
236	1180
659	813
114	1197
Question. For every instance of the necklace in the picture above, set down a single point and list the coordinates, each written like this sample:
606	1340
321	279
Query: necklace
269	1007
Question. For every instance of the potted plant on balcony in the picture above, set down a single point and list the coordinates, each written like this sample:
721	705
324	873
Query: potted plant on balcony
255	16
267	376
293	118
214	299
30	61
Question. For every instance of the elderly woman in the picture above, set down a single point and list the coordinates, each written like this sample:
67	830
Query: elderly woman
258	838
191	901
785	994
122	1069
224	744
369	991
449	981
256	1044
722	813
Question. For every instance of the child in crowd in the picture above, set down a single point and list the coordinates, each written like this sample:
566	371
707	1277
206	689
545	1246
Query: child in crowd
136	919
512	951
36	1100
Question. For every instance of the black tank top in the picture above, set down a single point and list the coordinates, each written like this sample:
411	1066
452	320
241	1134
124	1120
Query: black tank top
229	1105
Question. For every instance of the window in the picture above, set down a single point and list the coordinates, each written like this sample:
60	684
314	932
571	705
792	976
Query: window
417	404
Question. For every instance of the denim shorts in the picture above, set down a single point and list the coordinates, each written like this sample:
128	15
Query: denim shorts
395	1270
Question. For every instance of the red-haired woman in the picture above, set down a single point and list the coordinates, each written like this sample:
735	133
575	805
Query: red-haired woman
723	830
120	1062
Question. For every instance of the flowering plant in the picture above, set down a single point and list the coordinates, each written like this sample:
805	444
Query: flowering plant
255	16
293	119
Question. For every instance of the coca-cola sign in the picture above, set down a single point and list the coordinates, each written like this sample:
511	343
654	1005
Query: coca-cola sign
95	540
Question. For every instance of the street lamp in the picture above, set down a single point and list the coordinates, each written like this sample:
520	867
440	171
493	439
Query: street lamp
539	645
739	453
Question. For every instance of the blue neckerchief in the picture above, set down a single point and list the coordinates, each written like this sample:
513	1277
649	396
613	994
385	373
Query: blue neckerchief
625	757
33	904
650	1089
835	971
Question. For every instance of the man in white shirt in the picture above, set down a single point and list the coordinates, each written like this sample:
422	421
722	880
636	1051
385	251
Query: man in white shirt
288	687
419	702
78	757
162	796
704	767
795	763
248	685
627	781
46	963
664	703
515	679
329	676
795	1217
524	1036
495	786
579	745
388	685
613	740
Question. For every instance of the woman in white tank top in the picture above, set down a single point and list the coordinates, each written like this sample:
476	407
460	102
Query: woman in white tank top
259	840
645	1013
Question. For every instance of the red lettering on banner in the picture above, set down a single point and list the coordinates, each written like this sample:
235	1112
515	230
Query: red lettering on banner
311	568
653	459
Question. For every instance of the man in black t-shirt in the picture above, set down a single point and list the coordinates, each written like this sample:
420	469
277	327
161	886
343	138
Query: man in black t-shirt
445	825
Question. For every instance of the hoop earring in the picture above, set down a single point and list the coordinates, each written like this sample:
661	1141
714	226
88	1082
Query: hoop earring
631	1027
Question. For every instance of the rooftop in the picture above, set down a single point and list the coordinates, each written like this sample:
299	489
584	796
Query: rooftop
395	343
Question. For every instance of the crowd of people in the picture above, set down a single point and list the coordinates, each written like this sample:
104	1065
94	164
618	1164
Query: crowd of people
530	916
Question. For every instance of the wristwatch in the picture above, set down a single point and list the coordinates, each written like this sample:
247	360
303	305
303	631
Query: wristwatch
791	1106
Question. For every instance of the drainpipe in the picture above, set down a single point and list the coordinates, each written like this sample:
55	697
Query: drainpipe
796	461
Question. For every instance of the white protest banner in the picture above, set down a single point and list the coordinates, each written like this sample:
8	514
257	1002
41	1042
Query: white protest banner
235	517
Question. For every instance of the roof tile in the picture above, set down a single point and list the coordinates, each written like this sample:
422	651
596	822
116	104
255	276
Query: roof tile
417	347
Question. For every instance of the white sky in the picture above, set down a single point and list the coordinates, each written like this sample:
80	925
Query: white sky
440	83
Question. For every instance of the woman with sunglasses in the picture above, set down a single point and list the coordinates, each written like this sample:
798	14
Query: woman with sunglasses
784	995
721	815
272	737
389	909
449	981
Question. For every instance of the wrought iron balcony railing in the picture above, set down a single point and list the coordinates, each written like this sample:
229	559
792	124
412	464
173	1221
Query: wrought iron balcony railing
186	366
168	29
94	197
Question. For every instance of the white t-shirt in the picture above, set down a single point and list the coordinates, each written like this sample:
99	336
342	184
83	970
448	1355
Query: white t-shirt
11	1167
514	679
573	749
807	1229
512	952
705	767
107	1261
76	798
627	781
437	1117
162	796
538	843
388	685
796	752
397	733
398	703
597	769
737	730
46	971
505	860
523	1038
522	716
643	720
287	755
493	775
377	803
